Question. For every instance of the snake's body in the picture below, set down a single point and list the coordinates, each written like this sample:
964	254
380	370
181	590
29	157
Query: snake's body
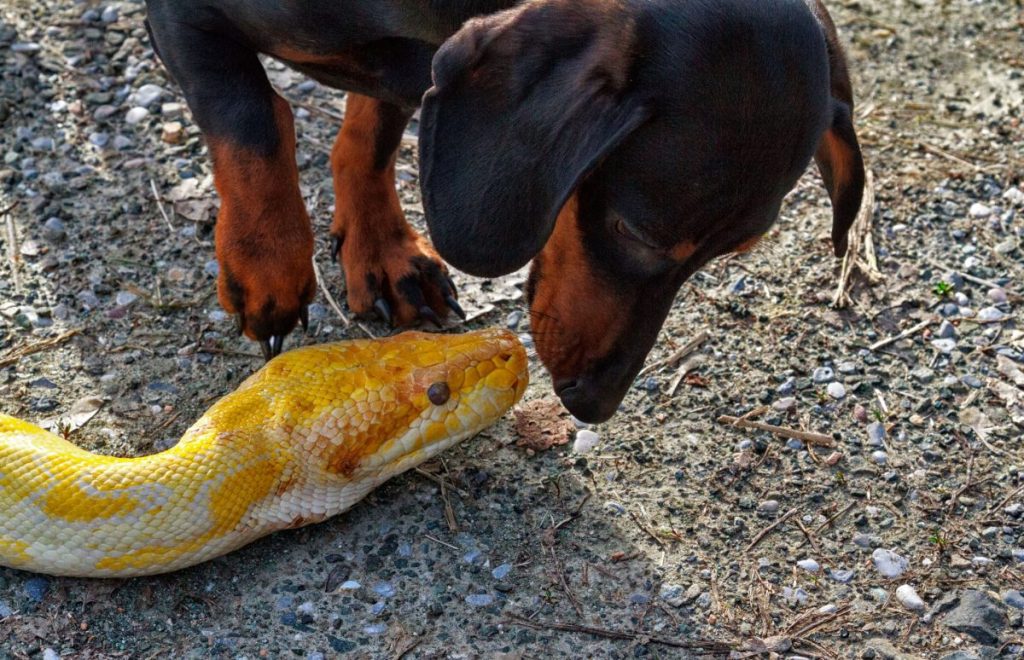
303	439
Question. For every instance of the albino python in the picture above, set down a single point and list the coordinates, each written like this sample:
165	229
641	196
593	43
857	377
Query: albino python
301	440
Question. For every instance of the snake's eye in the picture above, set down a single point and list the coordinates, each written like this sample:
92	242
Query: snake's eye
439	393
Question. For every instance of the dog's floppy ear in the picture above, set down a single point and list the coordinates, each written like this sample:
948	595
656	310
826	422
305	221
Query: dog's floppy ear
838	155
525	103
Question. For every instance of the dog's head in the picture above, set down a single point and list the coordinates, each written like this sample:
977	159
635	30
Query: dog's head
622	145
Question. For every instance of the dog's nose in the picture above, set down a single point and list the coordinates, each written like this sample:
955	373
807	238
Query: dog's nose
587	402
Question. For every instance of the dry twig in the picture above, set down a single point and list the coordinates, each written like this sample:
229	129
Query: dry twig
808	437
681	354
706	645
903	335
24	351
768	530
860	240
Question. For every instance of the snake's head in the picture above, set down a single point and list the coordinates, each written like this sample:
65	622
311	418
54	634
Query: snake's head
373	408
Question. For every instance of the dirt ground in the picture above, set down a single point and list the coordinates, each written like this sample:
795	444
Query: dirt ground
675	529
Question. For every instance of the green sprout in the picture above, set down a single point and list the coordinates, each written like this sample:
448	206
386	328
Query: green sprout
942	288
938	539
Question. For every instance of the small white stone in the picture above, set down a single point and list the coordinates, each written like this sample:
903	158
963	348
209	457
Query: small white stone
979	210
836	390
888	563
135	115
909	598
1014	195
585	441
809	565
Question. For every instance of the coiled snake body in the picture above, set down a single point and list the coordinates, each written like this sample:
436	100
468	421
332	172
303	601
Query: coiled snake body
301	440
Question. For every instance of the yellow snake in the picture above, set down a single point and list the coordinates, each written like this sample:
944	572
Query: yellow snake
301	440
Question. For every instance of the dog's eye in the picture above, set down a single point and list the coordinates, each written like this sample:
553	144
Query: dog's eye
622	228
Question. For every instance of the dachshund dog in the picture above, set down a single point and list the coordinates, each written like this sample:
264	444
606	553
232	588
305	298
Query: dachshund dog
619	144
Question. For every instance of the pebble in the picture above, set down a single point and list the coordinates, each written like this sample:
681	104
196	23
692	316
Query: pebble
809	565
501	572
794	596
842	576
53	230
785	404
172	132
480	600
788	387
768	506
99	139
125	298
43	143
5	610
907	597
836	390
50	654
944	346
147	95
1012	597
971	381
122	142
979	210
865	540
978	615
876	434
384	589
585	441
990	315
36	588
673	594
350	585
513	320
1014	195
997	296
880	457
104	112
923	375
110	14
823	375
860	414
828	609
172	110
135	115
889	563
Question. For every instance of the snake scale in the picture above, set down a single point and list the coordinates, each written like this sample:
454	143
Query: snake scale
302	439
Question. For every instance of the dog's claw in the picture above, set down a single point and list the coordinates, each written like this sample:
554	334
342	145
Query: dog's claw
383	310
455	306
335	248
304	317
272	347
428	314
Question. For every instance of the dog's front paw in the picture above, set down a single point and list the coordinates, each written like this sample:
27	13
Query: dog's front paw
397	276
268	283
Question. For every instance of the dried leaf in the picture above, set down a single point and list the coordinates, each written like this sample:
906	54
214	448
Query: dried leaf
1009	368
187	189
83	411
197	210
1012	398
542	424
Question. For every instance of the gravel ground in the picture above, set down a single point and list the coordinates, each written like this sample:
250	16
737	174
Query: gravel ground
903	539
